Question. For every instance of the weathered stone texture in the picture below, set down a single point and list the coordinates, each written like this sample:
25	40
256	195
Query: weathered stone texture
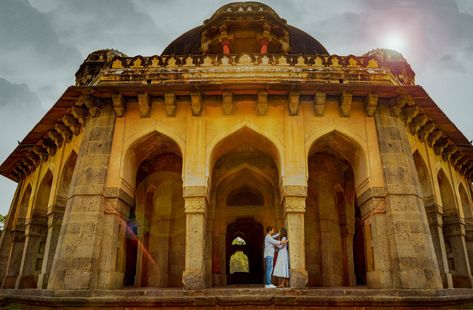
411	249
79	247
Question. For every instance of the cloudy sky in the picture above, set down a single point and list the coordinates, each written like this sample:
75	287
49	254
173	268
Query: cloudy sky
43	42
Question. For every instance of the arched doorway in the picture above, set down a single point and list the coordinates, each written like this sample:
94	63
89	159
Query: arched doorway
455	244
16	251
56	218
155	239
244	198
35	244
334	234
433	216
244	252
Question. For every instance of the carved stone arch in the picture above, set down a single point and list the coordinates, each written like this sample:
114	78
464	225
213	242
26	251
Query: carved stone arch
42	194
241	167
347	145
446	193
270	145
22	211
65	179
465	202
424	176
138	147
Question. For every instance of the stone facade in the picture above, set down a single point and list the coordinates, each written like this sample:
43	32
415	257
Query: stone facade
148	168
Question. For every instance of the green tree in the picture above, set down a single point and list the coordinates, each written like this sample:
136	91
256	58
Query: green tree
2	221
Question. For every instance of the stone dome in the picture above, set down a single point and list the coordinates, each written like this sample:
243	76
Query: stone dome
236	20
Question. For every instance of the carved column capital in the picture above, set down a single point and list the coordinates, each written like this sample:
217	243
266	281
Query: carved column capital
195	205
294	204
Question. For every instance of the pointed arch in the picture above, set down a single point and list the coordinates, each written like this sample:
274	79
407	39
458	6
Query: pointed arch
446	193
23	206
65	179
265	142
348	147
465	202
424	177
140	147
42	194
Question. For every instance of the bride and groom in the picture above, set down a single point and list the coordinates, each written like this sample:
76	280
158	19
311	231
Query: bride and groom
281	268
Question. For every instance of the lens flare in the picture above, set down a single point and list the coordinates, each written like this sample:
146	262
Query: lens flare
394	41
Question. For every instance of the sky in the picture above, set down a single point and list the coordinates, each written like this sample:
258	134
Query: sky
43	43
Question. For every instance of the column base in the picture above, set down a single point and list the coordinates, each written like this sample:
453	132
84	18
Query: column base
298	278
193	280
43	280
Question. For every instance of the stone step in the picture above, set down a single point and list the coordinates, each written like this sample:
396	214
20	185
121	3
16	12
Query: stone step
251	297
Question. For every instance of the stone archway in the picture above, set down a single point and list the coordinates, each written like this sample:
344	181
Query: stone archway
244	251
453	232
36	233
155	239
334	234
244	197
18	241
434	218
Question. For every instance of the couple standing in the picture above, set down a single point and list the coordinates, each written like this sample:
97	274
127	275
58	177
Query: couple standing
281	269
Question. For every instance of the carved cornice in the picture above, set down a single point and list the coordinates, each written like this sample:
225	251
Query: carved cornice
420	125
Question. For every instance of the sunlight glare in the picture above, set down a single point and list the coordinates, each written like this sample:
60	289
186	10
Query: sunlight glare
393	41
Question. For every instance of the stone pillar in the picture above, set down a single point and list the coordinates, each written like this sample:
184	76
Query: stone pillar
112	261
454	233
436	230
469	240
194	276
7	237
378	259
14	258
54	227
76	262
413	260
35	232
294	209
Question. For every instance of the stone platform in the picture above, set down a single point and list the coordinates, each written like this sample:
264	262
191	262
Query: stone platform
239	298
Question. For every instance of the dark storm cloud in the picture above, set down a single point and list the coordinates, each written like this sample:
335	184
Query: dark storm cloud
32	52
92	25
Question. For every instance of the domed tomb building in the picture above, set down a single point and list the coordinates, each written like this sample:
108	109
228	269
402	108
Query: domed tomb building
164	171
